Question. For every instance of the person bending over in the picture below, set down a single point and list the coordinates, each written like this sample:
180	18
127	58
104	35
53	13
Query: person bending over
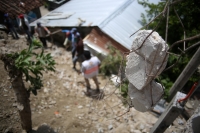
90	69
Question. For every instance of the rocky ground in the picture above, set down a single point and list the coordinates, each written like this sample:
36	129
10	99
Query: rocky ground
62	107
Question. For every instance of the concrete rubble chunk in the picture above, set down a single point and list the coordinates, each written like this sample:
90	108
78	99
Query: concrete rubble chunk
100	130
146	61
20	106
144	100
110	127
192	125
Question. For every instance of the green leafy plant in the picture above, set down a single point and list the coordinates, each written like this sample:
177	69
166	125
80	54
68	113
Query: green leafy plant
115	64
111	63
29	64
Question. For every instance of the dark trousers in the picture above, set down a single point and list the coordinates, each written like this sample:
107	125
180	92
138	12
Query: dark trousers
73	51
44	41
28	34
13	33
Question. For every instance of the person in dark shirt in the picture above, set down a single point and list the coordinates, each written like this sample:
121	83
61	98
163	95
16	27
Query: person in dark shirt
24	24
74	36
42	32
9	24
79	56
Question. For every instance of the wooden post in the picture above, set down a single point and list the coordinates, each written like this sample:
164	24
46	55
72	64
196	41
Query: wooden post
171	113
186	74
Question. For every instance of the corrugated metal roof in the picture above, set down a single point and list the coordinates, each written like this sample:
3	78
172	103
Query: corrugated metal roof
118	19
124	24
93	12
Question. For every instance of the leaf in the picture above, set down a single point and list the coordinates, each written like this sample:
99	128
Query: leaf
34	91
27	58
42	61
42	53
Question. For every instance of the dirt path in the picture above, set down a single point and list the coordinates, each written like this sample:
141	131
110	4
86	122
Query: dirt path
63	94
62	107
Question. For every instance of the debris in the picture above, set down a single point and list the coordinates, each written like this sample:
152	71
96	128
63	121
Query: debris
46	90
189	105
57	114
20	106
80	107
100	130
110	127
147	59
52	102
144	100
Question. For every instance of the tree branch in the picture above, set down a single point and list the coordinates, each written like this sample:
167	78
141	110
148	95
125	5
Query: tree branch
182	53
175	2
187	39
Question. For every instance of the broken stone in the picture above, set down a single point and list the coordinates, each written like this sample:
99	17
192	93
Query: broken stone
80	107
20	106
67	107
52	102
94	118
14	104
146	61
141	127
144	100
110	127
135	131
88	105
46	90
69	110
100	130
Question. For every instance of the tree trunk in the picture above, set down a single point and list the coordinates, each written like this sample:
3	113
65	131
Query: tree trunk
23	102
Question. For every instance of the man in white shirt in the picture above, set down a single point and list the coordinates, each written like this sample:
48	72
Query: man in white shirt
90	69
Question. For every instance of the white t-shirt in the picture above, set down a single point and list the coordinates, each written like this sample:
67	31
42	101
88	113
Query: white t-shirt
90	68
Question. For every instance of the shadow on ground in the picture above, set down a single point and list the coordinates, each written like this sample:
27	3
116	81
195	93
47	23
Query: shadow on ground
94	94
44	129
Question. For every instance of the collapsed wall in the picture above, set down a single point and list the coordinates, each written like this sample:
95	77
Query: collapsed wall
147	59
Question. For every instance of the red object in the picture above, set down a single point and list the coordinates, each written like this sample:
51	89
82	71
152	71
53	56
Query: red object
190	93
21	16
56	112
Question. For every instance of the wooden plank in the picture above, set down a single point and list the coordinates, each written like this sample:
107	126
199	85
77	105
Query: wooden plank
169	115
186	74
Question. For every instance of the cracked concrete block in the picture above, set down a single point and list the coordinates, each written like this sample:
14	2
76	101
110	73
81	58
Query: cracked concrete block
192	125
146	61
143	100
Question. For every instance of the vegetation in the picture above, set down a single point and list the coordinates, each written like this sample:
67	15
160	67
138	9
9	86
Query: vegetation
27	64
112	62
182	22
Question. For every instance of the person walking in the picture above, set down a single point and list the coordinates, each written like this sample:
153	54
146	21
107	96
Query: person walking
42	31
79	56
10	26
24	25
90	69
74	35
